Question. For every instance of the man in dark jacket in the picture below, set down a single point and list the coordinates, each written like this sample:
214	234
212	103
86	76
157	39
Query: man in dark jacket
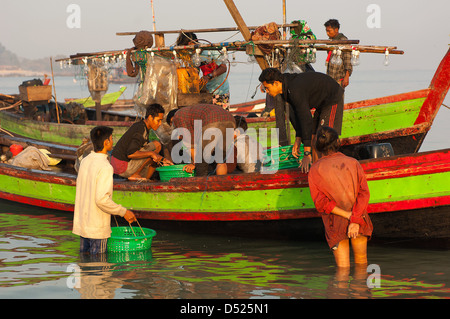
304	92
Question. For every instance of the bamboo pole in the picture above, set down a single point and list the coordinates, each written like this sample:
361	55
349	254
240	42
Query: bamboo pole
328	45
225	29
54	90
284	19
153	14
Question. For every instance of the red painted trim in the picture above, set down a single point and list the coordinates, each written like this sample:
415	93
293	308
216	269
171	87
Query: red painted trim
228	216
37	202
39	176
388	99
439	86
417	129
243	216
409	204
390	207
365	103
382	168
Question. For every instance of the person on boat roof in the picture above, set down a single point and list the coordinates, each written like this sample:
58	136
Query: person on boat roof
341	195
203	129
134	154
303	92
93	200
214	72
339	72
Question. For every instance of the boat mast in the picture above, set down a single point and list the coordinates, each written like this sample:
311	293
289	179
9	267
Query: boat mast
284	19
153	14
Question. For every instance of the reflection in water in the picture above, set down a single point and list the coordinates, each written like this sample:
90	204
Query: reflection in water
39	259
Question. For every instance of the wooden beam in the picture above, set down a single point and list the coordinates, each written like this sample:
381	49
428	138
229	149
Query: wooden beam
225	29
244	29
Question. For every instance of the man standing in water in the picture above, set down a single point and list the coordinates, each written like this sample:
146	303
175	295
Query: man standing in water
93	200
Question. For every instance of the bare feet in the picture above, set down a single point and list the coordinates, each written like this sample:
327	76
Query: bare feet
137	178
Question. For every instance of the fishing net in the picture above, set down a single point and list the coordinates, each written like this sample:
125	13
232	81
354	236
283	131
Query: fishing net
159	85
97	79
297	57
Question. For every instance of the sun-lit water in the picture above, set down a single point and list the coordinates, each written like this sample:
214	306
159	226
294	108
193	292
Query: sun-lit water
39	259
39	255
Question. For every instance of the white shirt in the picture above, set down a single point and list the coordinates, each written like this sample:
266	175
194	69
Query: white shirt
249	151
93	201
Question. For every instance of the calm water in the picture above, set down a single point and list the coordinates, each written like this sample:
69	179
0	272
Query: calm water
39	259
39	255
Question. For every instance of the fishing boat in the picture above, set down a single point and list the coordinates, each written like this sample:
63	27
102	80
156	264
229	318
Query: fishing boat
402	120
410	197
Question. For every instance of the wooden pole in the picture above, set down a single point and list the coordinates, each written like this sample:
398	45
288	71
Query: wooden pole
153	14
225	29
54	90
286	104
284	19
244	30
327	45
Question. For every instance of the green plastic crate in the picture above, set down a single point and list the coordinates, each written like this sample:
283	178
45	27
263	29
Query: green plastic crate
285	159
173	171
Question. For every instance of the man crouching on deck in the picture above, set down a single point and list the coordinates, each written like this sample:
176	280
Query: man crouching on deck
134	153
93	201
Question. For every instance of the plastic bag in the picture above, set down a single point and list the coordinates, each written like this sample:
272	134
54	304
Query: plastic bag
160	85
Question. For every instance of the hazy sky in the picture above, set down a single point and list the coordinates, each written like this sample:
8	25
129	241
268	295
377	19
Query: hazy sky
38	29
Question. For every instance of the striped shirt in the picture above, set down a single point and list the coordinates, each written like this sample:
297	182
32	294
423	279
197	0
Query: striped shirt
207	113
337	72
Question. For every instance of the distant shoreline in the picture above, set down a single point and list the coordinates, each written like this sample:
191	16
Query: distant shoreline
18	72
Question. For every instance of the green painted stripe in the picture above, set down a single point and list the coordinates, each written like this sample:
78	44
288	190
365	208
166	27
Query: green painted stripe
55	133
412	187
367	120
36	189
239	201
385	117
356	122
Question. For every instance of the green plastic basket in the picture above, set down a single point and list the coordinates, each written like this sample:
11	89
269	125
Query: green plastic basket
128	256
127	238
285	159
173	171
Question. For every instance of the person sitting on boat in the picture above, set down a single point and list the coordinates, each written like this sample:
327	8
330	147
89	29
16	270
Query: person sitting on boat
93	199
214	72
341	195
305	91
339	72
134	156
249	151
208	132
142	41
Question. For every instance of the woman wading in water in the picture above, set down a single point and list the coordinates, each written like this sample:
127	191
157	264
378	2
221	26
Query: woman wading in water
340	193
